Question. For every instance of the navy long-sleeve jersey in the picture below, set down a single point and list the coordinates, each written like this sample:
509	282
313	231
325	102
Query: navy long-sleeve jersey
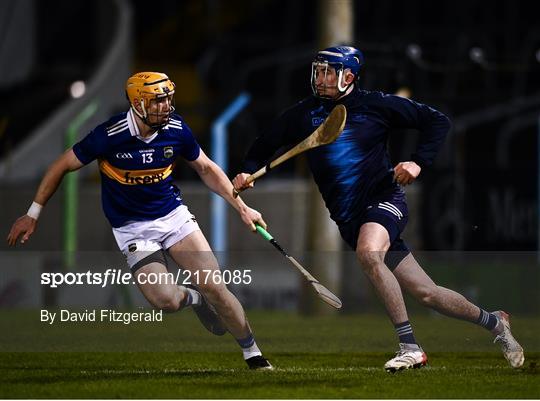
356	168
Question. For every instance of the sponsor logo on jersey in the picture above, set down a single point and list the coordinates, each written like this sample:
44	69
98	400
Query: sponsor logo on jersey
135	177
168	152
145	179
124	156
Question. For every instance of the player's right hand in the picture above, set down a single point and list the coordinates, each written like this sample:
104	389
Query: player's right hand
239	182
251	217
25	226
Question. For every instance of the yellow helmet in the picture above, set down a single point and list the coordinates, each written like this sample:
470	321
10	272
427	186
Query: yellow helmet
145	87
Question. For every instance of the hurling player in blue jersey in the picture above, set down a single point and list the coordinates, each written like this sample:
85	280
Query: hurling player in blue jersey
136	152
363	191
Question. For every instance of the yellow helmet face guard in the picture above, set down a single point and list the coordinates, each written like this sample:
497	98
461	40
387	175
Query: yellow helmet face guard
144	88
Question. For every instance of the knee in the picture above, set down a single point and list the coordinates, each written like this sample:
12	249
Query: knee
370	258
427	296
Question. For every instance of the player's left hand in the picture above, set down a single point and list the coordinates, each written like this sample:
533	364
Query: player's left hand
24	226
406	172
250	217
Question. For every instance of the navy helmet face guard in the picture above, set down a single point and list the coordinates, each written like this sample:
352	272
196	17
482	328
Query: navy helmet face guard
340	58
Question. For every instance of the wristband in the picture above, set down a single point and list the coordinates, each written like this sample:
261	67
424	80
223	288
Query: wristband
34	210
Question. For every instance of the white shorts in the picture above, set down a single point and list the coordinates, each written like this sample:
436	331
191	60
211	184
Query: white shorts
141	238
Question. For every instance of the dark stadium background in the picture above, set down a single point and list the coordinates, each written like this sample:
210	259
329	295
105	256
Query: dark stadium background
477	61
215	49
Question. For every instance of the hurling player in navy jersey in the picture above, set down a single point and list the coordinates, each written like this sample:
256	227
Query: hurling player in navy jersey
364	194
136	152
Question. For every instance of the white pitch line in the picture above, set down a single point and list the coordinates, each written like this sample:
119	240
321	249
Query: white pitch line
284	370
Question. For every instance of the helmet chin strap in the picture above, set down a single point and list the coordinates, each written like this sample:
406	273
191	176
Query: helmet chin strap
339	79
343	89
142	116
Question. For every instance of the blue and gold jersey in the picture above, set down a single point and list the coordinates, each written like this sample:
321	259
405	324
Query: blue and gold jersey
136	172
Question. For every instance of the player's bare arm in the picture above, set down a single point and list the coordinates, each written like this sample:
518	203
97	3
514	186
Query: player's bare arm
214	177
26	225
405	173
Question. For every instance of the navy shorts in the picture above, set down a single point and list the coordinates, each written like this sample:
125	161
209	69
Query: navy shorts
390	211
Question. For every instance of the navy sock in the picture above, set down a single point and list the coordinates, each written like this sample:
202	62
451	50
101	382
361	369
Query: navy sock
487	320
189	298
246	342
405	333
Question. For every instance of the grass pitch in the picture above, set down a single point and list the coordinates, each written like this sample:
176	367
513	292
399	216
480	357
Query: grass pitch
336	356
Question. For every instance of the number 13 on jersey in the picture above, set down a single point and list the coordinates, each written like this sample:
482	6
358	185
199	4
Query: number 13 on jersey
147	158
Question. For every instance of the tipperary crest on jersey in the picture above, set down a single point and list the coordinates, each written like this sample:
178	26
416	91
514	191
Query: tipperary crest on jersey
168	152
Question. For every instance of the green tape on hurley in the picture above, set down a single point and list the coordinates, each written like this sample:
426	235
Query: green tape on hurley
266	235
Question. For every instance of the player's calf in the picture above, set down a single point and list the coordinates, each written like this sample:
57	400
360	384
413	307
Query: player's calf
167	303
204	311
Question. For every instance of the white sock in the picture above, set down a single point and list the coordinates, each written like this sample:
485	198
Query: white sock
251	351
412	347
194	297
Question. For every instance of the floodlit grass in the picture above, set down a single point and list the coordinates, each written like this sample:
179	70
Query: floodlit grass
339	356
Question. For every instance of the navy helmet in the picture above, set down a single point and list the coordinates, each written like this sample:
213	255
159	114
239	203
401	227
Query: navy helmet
340	58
